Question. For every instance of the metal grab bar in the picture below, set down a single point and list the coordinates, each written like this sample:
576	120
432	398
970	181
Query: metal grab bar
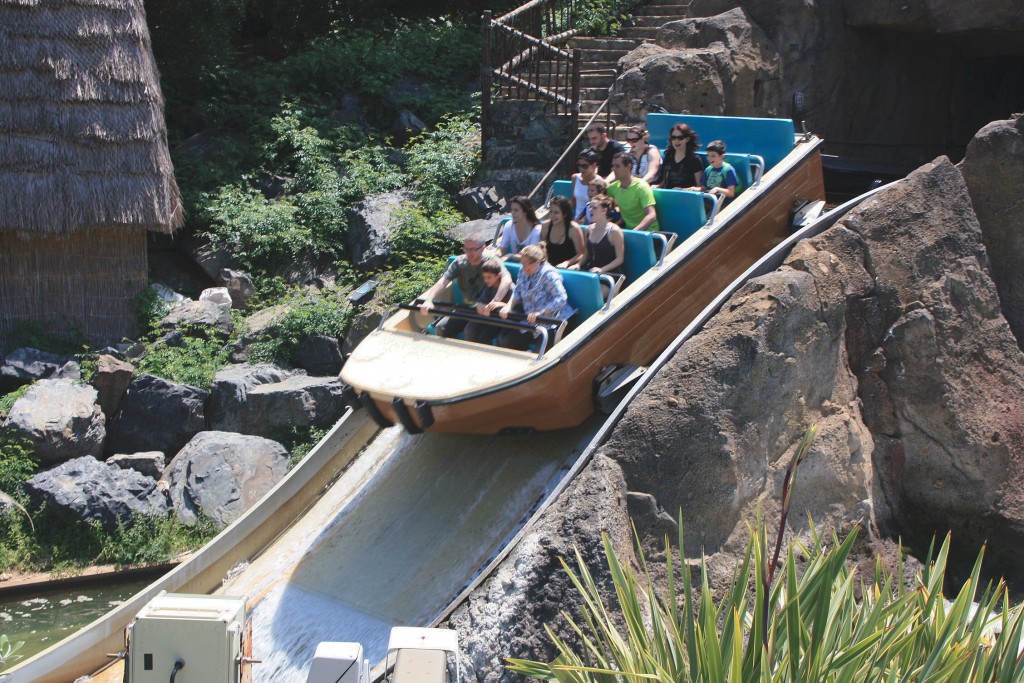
514	319
664	248
758	163
717	200
610	281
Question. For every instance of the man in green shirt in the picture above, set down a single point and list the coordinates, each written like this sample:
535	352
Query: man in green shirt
633	195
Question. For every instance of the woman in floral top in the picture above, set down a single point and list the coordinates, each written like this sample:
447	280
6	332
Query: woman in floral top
539	293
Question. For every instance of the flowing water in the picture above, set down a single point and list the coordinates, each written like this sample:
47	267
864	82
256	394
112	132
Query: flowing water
411	524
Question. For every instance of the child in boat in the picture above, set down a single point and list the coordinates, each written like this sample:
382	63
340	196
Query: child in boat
468	271
681	168
598	186
562	236
522	230
539	293
586	162
633	195
489	301
719	177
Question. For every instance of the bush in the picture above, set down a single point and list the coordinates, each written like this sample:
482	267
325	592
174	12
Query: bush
194	362
7	401
814	624
17	464
445	160
328	315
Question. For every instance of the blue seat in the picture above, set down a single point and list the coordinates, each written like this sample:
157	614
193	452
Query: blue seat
772	139
639	248
680	211
740	162
562	188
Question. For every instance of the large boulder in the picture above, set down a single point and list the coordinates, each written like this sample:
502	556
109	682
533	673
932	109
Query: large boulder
89	489
149	463
203	318
707	65
221	475
994	171
26	365
941	16
157	415
266	409
507	615
231	387
239	285
319	355
370	224
111	381
61	420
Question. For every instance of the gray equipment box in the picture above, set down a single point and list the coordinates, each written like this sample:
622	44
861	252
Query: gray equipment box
205	632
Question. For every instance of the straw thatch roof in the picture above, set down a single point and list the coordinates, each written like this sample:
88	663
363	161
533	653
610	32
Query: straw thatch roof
83	142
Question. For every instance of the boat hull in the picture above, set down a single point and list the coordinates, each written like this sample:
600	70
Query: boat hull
561	394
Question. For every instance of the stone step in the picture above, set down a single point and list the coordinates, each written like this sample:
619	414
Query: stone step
602	43
639	33
586	68
592	56
654	21
598	93
679	11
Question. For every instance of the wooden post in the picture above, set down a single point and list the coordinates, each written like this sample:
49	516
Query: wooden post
574	97
485	85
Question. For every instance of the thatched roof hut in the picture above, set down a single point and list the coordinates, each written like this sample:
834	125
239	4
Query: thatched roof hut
84	167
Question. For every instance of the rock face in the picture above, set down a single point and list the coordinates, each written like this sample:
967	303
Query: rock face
61	420
157	415
370	224
150	463
941	16
26	365
506	616
222	475
198	317
111	380
710	65
319	355
94	490
267	408
231	387
994	170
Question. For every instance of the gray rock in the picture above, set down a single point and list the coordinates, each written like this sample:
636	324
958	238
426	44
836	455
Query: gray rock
206	256
363	324
157	415
149	463
69	370
370	224
941	16
26	365
231	387
239	285
93	490
406	126
319	355
994	171
480	202
111	381
349	112
222	475
61	420
297	401
203	318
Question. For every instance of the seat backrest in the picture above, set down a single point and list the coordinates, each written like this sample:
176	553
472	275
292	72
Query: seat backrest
680	211
740	162
562	188
639	253
772	139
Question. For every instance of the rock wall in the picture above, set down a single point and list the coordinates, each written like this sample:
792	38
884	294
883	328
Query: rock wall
886	332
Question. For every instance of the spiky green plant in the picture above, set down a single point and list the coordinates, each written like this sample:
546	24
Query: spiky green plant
818	623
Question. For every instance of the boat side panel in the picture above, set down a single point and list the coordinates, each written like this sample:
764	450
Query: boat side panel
561	397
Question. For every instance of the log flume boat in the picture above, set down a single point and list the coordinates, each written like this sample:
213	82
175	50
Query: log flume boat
402	374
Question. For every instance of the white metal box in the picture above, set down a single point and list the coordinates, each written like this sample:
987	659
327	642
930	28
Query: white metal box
338	663
203	631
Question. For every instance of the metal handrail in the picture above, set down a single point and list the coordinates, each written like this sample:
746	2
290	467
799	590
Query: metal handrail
717	200
568	149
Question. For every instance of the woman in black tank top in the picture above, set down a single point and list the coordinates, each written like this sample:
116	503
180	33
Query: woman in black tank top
563	236
606	247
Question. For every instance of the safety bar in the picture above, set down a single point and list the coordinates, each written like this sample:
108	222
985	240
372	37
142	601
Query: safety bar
758	163
664	248
611	289
717	199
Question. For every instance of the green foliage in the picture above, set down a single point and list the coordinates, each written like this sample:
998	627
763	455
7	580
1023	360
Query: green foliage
17	464
298	440
195	361
8	651
150	309
326	315
150	540
603	17
443	161
815	624
7	400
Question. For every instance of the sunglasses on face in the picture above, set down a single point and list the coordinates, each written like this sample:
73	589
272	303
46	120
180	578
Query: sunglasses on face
582	165
632	139
677	137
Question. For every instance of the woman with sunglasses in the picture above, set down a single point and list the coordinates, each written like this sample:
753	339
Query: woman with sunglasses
586	162
646	157
563	236
681	167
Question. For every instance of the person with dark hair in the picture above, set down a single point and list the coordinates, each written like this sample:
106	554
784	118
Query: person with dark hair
719	177
606	148
468	270
681	168
523	229
586	162
606	247
539	293
633	195
646	157
489	301
562	236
